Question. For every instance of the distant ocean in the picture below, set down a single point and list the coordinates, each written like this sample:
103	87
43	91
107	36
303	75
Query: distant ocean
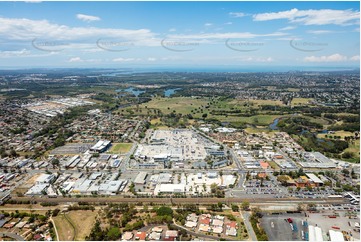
245	69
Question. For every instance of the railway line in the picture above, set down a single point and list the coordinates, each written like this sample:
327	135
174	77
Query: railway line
118	199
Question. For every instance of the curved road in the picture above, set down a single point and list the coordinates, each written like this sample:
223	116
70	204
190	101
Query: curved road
54	226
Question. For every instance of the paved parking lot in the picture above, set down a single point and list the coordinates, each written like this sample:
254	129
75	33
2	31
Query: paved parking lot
342	221
279	229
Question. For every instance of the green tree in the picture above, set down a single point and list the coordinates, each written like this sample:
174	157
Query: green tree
162	211
113	233
245	205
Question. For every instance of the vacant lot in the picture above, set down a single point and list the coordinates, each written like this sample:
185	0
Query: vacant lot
301	101
256	120
354	148
65	230
342	134
83	222
120	148
182	105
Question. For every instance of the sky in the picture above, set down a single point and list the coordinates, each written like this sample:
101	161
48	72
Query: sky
179	34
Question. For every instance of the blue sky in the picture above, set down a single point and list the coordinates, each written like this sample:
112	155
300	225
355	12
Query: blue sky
179	34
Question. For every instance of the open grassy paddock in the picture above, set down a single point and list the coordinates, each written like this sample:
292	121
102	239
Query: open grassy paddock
65	230
182	105
355	149
341	133
120	148
83	222
301	101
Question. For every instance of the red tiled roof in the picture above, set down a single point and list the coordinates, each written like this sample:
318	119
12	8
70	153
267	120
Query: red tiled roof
205	221
141	235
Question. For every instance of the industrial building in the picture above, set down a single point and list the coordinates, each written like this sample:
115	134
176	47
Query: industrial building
140	178
316	160
37	189
318	182
315	233
336	236
101	146
169	189
45	179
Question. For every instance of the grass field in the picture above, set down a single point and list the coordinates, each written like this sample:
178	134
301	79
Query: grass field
256	120
266	102
65	230
293	89
342	134
300	101
83	222
182	105
355	149
317	120
120	148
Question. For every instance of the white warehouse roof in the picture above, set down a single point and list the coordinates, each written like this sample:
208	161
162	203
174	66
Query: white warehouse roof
314	178
169	188
336	236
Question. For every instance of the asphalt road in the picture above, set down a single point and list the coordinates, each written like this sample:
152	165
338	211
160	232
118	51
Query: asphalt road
12	235
248	225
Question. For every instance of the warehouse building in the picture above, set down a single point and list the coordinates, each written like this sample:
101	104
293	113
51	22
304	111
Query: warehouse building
336	236
169	189
45	179
140	179
318	182
101	146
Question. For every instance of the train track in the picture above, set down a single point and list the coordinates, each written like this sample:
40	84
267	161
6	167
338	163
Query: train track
117	199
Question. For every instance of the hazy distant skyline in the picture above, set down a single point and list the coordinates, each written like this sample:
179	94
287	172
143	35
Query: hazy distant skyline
179	34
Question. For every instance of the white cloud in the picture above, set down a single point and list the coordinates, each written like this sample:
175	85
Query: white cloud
330	58
208	24
313	17
228	23
87	18
287	28
75	59
237	14
12	53
259	59
320	31
152	59
126	59
355	58
27	30
245	35
172	30
79	60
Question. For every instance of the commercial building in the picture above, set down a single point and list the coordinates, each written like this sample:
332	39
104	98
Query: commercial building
169	189
45	179
315	233
315	179
317	160
37	189
336	236
140	178
101	146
